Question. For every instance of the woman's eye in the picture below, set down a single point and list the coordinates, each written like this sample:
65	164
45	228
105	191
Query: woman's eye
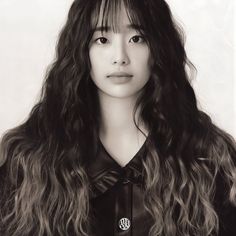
137	39
101	40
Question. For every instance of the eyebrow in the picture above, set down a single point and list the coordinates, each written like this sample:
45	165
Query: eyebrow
108	28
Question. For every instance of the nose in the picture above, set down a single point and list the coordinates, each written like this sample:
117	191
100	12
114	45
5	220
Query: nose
120	55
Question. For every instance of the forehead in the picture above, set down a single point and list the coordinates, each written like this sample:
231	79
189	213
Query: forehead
114	15
119	18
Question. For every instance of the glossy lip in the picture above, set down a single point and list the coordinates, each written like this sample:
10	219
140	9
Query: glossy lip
119	74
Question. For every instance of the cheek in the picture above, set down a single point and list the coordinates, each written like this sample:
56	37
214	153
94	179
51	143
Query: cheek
93	58
142	61
97	59
95	62
141	56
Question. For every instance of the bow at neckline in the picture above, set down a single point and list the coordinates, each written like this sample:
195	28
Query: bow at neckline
104	172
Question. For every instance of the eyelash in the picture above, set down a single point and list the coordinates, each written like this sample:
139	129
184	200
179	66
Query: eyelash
139	36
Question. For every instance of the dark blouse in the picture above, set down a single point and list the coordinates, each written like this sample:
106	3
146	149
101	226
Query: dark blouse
117	201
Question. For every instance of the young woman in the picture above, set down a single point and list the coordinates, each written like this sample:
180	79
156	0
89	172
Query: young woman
116	145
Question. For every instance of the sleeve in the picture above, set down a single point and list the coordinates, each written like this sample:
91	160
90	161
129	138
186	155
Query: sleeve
225	209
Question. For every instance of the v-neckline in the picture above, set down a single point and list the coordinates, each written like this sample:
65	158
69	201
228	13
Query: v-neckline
130	161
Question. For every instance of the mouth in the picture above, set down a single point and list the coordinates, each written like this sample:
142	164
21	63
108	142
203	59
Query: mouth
119	74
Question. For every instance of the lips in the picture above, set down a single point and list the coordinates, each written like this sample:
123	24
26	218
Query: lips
119	74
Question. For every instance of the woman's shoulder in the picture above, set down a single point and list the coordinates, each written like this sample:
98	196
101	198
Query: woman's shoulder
220	149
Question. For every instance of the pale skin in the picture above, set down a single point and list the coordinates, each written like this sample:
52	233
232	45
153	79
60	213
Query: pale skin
122	51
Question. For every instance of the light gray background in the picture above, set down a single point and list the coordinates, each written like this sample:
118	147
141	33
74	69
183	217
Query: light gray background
28	34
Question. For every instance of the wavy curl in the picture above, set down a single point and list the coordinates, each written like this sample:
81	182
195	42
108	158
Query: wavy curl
43	162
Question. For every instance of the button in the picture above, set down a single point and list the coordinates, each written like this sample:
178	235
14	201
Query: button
124	224
125	181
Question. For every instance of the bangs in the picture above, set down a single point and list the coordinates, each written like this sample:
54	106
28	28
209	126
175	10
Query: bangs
106	13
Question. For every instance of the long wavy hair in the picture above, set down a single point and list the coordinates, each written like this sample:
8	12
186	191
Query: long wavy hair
44	184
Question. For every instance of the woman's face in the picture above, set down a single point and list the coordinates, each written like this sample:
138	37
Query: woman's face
119	60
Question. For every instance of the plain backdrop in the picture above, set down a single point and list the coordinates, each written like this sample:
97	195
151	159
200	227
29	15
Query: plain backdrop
28	35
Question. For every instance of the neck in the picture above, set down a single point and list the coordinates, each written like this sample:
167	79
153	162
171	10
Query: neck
117	115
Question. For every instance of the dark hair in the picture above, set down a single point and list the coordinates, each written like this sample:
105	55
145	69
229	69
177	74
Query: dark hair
45	159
